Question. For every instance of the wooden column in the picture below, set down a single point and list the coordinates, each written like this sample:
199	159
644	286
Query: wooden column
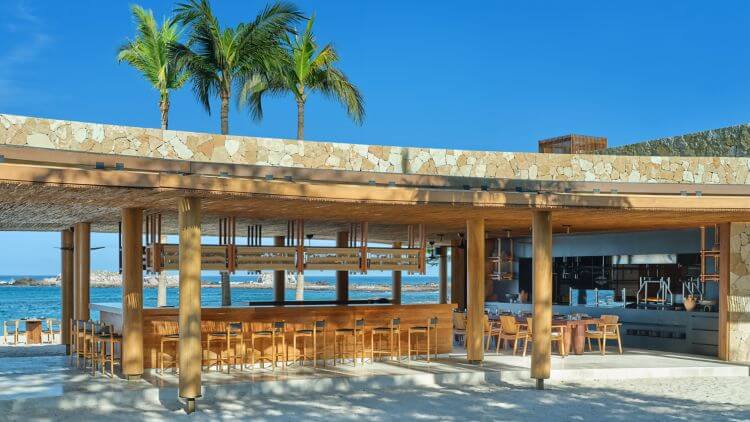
396	281
226	289
132	293
475	290
724	270
66	285
279	277
542	295
458	275
443	274
189	222
342	277
82	272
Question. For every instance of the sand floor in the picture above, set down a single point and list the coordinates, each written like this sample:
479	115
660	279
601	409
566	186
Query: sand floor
665	400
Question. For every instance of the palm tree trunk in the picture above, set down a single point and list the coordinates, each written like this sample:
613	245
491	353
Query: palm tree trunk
300	119
224	113
164	108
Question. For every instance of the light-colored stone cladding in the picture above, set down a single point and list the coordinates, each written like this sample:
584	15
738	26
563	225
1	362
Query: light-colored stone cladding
155	143
739	293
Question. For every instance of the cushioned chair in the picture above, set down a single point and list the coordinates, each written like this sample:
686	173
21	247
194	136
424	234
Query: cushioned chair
557	334
608	328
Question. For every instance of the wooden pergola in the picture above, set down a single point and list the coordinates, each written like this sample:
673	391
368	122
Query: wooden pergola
69	192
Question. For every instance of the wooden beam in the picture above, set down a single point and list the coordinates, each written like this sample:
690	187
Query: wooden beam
279	277
542	296
82	258
342	277
475	290
396	281
443	274
190	353
724	270
458	274
132	292
66	284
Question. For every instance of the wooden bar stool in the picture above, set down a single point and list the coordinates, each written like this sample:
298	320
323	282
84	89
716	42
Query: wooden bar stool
229	336
318	329
108	338
427	331
90	344
393	334
76	340
356	334
276	333
169	343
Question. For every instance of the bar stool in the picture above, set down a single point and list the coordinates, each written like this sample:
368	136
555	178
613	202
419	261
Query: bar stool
355	333
427	331
108	337
318	328
231	333
277	331
169	336
392	333
91	334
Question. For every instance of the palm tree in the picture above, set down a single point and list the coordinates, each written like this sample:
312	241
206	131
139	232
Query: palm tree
149	53
220	58
305	69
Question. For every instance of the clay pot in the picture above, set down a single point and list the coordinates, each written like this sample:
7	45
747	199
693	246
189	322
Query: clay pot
690	303
523	296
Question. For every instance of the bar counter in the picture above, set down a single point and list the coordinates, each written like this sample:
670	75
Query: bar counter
295	316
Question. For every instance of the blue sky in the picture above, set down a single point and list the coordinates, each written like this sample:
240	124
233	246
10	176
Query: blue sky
495	75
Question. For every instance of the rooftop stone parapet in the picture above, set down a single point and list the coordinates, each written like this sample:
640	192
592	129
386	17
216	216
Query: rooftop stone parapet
169	144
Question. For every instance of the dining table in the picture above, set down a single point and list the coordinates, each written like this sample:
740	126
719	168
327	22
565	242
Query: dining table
33	330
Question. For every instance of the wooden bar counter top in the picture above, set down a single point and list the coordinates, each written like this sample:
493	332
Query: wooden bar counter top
295	316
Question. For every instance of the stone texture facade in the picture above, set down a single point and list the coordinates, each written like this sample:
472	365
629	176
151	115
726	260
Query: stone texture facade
155	143
739	293
733	141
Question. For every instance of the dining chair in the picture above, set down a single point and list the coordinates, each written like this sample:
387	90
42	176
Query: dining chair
459	327
53	329
557	334
491	330
608	328
511	330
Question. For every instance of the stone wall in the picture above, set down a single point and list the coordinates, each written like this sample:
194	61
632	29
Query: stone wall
739	293
155	143
733	141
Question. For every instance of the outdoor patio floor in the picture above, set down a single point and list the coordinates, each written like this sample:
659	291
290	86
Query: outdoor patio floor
26	380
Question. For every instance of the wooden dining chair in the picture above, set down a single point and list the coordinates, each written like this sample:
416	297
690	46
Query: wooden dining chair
608	328
10	330
491	329
392	335
53	329
429	333
557	334
459	327
511	330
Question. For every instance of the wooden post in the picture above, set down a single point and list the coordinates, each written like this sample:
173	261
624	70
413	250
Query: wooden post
396	282
542	296
161	293
132	293
190	353
82	262
342	277
724	270
226	290
279	277
475	290
443	274
66	284
458	275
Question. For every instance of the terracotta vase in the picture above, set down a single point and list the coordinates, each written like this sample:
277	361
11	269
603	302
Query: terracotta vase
690	303
523	296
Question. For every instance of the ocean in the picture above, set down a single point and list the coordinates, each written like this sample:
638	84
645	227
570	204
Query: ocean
44	302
